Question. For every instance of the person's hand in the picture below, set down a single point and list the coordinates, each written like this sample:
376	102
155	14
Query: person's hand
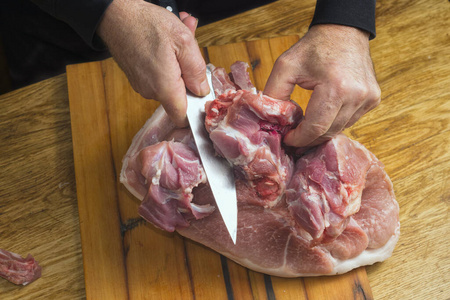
334	61
157	51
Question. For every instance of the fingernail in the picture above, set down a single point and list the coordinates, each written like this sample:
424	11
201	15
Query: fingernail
204	87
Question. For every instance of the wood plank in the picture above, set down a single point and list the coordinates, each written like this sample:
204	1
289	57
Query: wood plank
206	272
239	280
265	52
158	264
104	266
236	276
259	291
155	260
290	288
277	47
38	204
351	285
260	60
156	267
38	211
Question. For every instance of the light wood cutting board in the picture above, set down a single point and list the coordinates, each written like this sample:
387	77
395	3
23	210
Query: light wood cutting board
126	258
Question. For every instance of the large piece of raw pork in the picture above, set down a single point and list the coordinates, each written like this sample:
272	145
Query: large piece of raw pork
326	212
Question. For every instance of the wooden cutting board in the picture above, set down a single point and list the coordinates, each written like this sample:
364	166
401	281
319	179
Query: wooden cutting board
126	258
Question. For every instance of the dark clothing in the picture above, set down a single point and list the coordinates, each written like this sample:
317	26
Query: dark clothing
39	46
355	13
41	37
82	16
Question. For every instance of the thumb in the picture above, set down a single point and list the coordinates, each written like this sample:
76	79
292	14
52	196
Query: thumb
193	69
281	82
173	99
188	20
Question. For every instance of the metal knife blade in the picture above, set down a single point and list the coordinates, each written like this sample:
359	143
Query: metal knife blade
218	171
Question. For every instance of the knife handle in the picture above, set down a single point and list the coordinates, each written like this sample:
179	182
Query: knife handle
170	5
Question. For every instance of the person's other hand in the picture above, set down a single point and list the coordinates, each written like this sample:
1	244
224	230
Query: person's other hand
157	51
334	61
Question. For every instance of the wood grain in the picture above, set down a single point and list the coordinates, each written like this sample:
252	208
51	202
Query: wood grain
409	132
38	204
148	263
105	276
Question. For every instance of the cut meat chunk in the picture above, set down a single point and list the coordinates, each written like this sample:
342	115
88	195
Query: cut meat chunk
241	77
18	270
378	216
327	187
350	243
247	130
155	130
167	172
325	212
221	81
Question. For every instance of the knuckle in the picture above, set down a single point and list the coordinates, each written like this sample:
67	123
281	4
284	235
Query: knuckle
328	136
185	37
375	102
376	92
360	93
320	140
376	96
198	68
373	98
343	87
336	128
318	129
357	91
284	61
378	101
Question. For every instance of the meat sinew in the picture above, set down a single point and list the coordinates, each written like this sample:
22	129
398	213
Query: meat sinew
329	211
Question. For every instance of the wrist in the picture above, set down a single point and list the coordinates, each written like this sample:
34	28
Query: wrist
341	30
115	18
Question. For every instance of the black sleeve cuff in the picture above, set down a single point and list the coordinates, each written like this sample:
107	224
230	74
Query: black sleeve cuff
354	13
82	15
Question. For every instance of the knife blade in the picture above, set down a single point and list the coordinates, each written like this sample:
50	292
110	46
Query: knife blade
218	170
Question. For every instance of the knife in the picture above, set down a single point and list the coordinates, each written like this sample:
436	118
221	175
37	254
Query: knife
218	171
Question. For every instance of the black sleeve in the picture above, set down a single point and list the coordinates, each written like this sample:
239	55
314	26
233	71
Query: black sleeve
355	13
82	15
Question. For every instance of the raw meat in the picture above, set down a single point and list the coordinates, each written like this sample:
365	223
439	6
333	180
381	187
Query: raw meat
18	270
326	212
247	129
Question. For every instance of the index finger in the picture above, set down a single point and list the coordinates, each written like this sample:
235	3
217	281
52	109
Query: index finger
172	97
322	109
281	82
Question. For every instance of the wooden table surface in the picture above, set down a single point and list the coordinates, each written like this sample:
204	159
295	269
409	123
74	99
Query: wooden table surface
38	206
